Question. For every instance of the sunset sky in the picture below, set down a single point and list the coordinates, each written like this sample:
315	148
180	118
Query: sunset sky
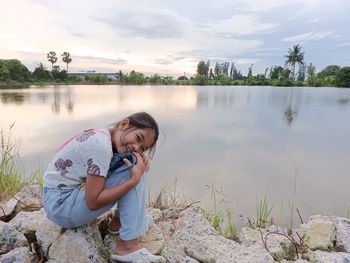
170	37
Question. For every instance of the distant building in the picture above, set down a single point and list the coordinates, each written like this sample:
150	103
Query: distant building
82	75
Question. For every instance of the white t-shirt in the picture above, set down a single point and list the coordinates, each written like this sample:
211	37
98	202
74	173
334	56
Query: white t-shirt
87	153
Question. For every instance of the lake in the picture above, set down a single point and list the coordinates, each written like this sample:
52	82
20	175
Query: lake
291	145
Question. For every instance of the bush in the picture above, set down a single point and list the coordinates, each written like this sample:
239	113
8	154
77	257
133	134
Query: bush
342	78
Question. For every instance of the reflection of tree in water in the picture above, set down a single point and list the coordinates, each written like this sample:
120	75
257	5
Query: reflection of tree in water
56	104
202	99
292	106
343	101
70	101
290	115
12	97
56	107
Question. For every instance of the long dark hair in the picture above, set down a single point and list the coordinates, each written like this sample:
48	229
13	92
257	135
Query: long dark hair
143	120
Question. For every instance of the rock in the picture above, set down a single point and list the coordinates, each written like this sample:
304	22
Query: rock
190	224
219	249
155	213
30	199
82	244
319	233
19	255
326	257
10	238
29	222
8	206
343	232
279	245
153	240
175	254
342	226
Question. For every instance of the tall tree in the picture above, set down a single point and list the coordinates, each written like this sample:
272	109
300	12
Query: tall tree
51	57
66	58
202	69
250	71
302	73
295	56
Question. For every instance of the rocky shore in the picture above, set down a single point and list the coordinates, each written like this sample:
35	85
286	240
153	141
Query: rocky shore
178	234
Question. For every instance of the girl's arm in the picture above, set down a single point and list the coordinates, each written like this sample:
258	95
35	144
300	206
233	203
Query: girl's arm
97	197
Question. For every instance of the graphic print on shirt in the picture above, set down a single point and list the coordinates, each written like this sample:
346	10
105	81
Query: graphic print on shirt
92	168
61	165
83	137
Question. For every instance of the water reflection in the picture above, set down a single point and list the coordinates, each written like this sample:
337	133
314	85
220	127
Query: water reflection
293	103
343	101
276	134
66	99
12	97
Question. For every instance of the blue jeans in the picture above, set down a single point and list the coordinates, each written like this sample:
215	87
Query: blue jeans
68	208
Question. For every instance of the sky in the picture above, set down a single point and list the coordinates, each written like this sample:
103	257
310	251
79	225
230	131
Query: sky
170	37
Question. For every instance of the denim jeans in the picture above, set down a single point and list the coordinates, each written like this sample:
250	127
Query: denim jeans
68	208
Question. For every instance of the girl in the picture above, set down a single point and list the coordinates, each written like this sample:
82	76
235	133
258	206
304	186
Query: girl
110	163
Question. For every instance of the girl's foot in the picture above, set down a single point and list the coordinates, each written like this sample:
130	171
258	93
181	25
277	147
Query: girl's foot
114	225
131	251
126	247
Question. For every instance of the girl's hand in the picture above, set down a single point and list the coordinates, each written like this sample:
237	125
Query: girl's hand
138	169
147	162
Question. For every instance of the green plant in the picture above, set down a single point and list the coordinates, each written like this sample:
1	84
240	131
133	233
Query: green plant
262	215
221	219
231	229
38	177
10	178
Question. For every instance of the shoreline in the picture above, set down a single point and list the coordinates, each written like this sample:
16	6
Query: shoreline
179	234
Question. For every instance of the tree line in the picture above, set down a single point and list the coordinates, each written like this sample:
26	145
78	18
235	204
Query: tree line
14	70
295	72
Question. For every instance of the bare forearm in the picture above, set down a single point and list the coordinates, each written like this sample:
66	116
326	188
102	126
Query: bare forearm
106	196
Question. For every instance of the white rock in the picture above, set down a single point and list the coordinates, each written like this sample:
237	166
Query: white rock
279	245
82	244
342	226
19	255
319	233
333	257
155	213
10	238
8	206
219	249
27	222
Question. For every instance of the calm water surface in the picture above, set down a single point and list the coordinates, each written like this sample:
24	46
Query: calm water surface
247	142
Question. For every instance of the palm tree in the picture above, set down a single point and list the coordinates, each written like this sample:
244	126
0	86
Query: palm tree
51	57
295	57
66	58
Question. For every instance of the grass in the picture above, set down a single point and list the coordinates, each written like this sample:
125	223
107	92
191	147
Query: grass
37	177
10	177
262	215
167	198
222	218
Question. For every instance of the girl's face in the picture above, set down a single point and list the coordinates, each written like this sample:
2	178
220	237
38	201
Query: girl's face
132	139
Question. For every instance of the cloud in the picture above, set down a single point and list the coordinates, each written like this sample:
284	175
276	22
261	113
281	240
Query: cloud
170	60
347	44
313	35
245	61
146	23
240	25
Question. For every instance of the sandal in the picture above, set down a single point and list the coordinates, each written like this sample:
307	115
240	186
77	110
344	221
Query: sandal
140	254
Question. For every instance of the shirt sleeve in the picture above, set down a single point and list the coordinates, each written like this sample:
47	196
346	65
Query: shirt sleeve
95	149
